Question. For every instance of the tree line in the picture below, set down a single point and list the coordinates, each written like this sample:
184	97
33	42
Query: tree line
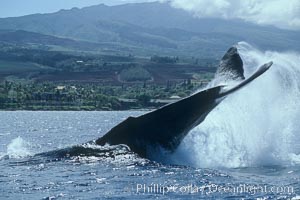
67	96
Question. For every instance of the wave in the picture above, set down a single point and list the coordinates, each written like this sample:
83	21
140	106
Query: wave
118	155
256	126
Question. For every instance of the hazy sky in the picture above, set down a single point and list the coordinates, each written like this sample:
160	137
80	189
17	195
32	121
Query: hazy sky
11	8
281	13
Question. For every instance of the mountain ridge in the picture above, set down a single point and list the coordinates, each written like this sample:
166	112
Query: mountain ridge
147	28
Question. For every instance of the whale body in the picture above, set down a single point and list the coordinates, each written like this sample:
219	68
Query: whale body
167	126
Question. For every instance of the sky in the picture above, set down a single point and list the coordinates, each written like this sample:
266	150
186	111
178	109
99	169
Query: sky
13	8
284	14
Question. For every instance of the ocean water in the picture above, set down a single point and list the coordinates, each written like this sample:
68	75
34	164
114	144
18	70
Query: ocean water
25	175
247	148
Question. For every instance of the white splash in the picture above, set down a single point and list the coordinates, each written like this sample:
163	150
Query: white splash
258	125
18	148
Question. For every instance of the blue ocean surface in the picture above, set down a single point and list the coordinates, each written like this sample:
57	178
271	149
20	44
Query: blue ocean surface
33	166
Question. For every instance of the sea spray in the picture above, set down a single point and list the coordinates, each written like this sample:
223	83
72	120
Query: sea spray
256	126
18	148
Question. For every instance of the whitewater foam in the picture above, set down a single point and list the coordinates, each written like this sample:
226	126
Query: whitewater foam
255	126
113	154
18	148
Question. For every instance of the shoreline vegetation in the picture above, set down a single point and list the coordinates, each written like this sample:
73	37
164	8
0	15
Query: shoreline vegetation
34	76
74	97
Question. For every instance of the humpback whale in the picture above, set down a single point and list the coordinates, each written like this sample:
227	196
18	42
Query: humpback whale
167	126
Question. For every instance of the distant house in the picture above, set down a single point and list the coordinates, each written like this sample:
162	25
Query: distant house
61	87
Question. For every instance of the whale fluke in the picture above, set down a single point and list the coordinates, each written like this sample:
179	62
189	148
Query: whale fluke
258	72
231	66
167	126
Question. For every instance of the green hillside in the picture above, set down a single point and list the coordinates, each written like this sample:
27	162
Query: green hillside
148	28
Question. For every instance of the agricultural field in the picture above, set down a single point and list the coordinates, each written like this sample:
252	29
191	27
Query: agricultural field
15	67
